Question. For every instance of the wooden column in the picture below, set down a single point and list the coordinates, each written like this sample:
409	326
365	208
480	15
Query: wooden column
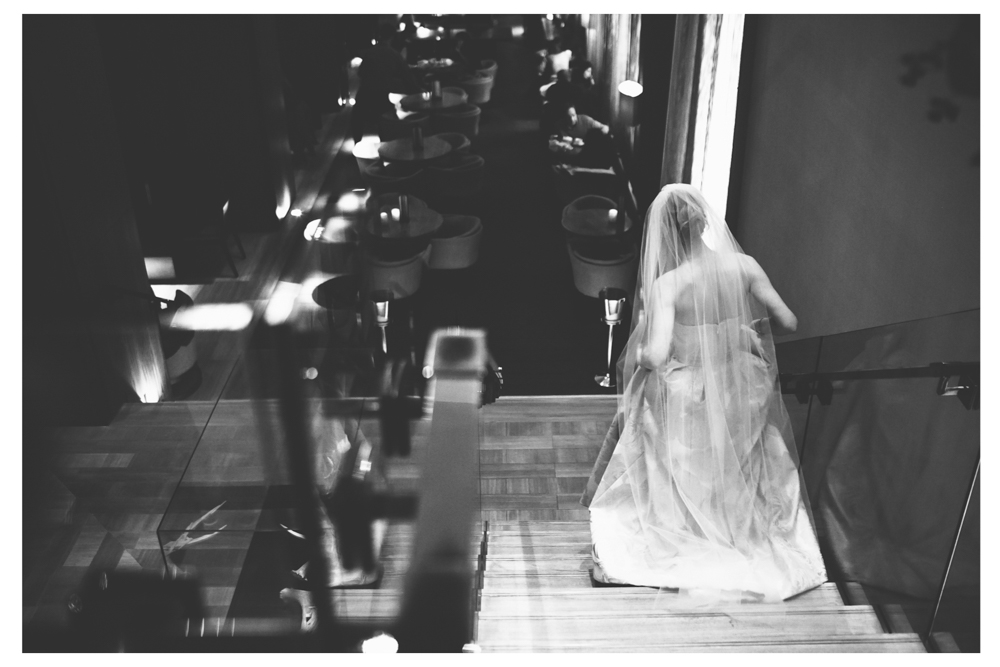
683	100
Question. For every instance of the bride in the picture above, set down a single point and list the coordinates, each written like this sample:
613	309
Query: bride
701	492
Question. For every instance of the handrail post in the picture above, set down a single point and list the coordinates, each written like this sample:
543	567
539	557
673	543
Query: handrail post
954	547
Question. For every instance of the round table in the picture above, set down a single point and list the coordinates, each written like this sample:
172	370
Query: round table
596	222
423	221
417	102
403	150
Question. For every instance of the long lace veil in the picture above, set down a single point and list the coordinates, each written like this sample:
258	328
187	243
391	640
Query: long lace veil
705	468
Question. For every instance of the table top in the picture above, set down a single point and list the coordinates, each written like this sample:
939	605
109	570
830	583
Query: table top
565	145
402	150
423	221
596	222
416	102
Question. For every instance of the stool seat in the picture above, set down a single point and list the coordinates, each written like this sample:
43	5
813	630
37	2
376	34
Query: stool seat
597	265
456	244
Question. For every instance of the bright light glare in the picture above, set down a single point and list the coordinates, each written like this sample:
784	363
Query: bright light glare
402	26
338	230
212	317
356	62
313	230
282	302
160	268
395	98
380	643
296	212
374	42
630	88
225	207
310	373
424	33
351	202
352	102
517	31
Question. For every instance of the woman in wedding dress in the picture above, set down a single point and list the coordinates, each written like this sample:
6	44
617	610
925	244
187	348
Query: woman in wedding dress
701	491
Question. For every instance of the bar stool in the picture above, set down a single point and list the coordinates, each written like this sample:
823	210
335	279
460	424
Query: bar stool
381	300
488	68
614	306
366	153
339	298
400	124
604	263
383	270
478	86
456	244
455	90
459	144
463	118
460	177
384	178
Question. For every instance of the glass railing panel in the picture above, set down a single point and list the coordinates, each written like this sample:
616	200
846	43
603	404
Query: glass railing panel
952	337
958	616
888	464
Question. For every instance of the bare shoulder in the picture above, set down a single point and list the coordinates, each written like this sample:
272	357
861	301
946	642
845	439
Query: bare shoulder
750	266
670	284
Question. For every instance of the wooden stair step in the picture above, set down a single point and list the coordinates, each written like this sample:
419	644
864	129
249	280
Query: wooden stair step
899	643
517	566
527	542
522	551
745	623
620	601
534	582
539	526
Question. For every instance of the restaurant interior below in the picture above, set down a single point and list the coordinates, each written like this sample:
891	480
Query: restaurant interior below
322	313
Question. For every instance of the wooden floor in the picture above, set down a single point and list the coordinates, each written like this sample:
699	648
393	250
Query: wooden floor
106	490
538	597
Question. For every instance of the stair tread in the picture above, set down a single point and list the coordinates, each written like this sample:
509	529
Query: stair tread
684	626
897	643
621	601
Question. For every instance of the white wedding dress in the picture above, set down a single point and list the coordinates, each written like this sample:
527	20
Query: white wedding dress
702	490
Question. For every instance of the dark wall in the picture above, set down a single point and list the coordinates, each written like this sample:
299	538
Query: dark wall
188	100
860	196
87	345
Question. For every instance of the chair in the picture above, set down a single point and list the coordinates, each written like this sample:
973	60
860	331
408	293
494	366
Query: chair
598	264
456	244
366	153
587	203
488	68
459	143
463	118
460	177
478	87
385	178
397	125
455	90
399	275
339	298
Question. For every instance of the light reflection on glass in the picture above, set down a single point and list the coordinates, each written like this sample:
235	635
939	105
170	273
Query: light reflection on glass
212	317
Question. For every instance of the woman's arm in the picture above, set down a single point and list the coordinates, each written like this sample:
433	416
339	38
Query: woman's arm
763	291
661	326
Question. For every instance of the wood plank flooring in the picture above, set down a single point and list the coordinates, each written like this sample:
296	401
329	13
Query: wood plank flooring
538	597
106	490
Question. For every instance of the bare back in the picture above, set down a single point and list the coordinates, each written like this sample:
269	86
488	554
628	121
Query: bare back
709	289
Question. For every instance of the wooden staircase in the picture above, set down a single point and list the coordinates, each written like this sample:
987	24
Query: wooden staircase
537	596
